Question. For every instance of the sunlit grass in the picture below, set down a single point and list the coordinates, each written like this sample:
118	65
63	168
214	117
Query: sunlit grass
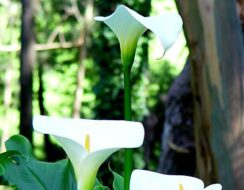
5	188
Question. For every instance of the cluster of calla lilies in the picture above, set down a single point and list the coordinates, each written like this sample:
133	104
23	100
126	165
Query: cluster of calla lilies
88	143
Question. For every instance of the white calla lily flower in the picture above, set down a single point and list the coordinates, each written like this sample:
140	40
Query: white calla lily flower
88	143
128	26
144	180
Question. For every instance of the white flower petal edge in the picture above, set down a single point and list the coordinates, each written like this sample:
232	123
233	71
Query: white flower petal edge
105	137
128	26
144	180
214	187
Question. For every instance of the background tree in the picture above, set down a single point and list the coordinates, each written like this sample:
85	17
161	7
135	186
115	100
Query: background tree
84	36
178	143
26	65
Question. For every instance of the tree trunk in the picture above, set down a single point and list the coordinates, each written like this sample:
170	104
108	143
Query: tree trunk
47	142
82	56
26	63
216	55
178	149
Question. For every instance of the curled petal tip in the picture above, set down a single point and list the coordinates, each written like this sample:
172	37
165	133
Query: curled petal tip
160	56
99	18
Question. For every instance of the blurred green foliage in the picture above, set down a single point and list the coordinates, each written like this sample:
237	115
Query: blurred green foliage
56	21
19	168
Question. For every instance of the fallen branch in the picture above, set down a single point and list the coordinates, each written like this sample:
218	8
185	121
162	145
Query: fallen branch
42	47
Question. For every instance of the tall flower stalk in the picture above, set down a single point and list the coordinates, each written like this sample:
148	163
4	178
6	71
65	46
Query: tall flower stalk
128	26
128	164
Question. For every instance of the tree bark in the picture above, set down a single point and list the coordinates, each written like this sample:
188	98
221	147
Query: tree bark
216	55
26	64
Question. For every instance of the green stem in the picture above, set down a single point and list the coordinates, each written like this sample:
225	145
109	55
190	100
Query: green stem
127	114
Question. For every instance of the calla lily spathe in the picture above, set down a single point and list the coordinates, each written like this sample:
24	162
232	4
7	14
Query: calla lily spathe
88	143
144	180
128	26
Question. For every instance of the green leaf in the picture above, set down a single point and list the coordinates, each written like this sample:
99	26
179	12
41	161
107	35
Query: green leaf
19	144
20	168
118	183
99	186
